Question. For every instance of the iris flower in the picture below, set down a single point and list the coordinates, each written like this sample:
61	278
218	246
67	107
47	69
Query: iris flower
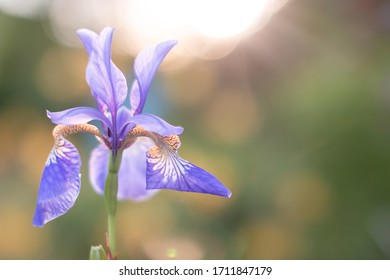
141	149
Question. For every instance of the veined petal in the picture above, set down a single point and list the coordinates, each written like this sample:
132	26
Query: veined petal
156	124
131	176
132	172
106	81
77	115
145	67
166	170
124	124
60	183
88	38
123	117
98	167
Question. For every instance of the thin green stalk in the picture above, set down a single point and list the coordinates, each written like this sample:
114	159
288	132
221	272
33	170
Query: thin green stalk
110	196
112	234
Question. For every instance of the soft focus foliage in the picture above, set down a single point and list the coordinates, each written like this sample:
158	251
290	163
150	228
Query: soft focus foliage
295	121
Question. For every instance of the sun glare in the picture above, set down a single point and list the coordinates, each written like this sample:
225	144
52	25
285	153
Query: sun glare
215	19
212	25
206	29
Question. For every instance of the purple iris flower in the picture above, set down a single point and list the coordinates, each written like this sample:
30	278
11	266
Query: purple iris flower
145	144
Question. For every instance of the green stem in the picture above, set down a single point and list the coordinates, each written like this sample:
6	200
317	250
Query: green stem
110	196
112	233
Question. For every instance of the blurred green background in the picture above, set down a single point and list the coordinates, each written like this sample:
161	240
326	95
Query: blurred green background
292	117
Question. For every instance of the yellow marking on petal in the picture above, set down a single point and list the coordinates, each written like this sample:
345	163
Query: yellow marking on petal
132	136
61	131
163	154
154	152
171	142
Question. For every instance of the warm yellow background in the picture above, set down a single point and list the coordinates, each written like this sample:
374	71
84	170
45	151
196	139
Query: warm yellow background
295	120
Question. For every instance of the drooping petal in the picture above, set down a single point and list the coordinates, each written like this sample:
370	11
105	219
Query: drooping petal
156	124
132	172
166	170
106	81
60	183
145	67
131	177
77	115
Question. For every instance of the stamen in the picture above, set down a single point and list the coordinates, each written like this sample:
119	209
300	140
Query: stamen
65	130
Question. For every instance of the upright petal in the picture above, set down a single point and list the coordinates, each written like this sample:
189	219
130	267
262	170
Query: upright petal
88	39
166	170
124	125
145	67
78	115
105	80
60	183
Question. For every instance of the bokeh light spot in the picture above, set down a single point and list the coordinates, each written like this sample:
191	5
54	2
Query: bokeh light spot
217	26
177	247
171	252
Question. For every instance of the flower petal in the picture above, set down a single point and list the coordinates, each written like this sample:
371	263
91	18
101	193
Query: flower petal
88	38
60	183
98	167
77	115
166	170
106	81
156	124
145	67
124	124
132	172
131	176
